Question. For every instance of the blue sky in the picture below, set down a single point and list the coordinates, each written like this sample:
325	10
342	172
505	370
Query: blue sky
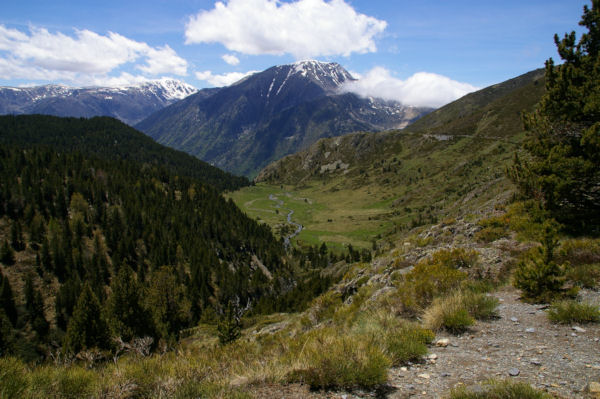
462	42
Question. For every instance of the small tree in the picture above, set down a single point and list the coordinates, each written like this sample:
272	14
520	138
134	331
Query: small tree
229	326
539	277
87	328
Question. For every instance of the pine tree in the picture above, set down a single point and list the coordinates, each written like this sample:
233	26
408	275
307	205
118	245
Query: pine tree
124	311
16	236
7	302
34	304
564	132
7	254
87	327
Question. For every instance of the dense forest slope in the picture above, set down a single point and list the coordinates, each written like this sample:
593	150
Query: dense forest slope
109	139
116	239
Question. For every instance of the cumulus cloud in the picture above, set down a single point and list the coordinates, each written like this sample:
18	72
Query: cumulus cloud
231	59
302	28
423	89
225	79
82	58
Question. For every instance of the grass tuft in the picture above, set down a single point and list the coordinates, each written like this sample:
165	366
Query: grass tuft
499	390
571	311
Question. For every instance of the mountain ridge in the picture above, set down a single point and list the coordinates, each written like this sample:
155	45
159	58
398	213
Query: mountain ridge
130	103
272	113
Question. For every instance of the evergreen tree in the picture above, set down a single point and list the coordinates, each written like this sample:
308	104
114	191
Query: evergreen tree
7	303
87	327
168	303
34	305
66	299
564	132
124	311
7	254
16	236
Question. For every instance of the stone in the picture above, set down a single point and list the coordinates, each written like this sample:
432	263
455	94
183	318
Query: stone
513	372
424	376
535	362
433	356
530	330
579	329
445	375
442	342
514	319
593	388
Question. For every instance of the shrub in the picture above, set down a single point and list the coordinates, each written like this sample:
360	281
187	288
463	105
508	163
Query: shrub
331	360
582	251
493	228
571	311
480	306
458	321
587	276
431	278
407	343
456	312
499	390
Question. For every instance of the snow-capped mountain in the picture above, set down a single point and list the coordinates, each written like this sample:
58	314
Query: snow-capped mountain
130	104
261	118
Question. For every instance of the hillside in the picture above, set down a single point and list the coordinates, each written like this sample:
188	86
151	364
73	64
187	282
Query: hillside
109	139
265	116
92	241
129	104
364	186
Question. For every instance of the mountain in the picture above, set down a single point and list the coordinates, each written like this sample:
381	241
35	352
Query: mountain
130	104
263	117
365	187
109	139
491	113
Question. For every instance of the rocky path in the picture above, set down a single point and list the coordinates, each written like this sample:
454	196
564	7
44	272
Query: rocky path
521	345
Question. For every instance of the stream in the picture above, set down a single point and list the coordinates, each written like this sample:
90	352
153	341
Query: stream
299	227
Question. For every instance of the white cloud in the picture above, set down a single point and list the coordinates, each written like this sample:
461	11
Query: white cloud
423	89
225	79
231	59
82	58
303	28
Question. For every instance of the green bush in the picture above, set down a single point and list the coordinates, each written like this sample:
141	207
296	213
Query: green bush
499	390
480	305
433	277
458	321
571	311
407	343
493	228
581	251
587	276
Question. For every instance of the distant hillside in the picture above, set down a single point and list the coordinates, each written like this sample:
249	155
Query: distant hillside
263	117
493	113
109	139
129	104
364	187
